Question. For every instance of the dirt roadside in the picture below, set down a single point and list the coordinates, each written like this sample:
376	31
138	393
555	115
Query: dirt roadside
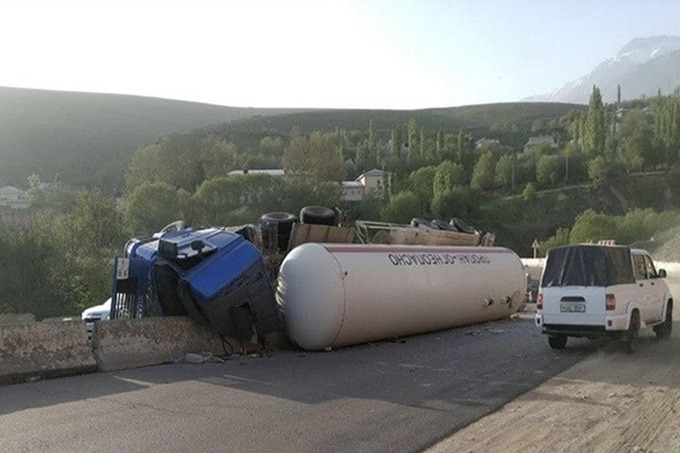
609	402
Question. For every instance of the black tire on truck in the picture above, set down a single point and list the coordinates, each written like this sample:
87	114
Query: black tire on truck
462	226
557	341
417	221
663	331
318	215
282	223
633	332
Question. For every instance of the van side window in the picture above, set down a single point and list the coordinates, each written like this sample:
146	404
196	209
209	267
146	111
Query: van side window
640	269
651	272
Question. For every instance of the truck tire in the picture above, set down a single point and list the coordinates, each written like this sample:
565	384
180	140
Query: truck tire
283	223
462	226
663	331
442	225
633	332
318	215
417	221
557	342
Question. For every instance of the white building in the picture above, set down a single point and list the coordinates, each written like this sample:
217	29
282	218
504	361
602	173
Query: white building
539	140
486	141
367	182
271	172
14	198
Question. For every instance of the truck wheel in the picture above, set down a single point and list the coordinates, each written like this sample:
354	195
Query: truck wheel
558	341
633	332
276	228
317	215
663	331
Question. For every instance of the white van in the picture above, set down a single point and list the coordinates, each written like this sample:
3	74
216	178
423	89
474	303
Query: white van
596	290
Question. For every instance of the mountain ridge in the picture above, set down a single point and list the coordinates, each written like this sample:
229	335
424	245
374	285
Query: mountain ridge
655	58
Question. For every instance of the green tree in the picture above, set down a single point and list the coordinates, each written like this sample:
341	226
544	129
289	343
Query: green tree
447	176
272	145
465	151
373	147
151	206
591	226
422	185
548	170
297	157
483	175
147	165
413	145
218	157
595	129
574	163
529	192
33	270
401	208
505	171
95	223
315	157
396	142
560	238
598	169
457	202
637	141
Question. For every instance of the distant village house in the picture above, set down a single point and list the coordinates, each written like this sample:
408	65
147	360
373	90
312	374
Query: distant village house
540	140
365	183
272	172
486	141
11	197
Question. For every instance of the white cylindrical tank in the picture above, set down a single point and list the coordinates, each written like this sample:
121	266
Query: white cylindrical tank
335	295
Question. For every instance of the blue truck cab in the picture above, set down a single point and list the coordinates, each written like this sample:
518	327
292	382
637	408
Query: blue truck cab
216	277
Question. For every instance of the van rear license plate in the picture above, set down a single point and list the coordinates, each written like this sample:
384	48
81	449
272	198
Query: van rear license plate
572	307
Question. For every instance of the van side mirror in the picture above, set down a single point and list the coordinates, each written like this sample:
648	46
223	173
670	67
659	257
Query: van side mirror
661	273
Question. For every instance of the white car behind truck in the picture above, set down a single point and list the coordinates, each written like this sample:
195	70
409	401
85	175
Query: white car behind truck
595	290
97	313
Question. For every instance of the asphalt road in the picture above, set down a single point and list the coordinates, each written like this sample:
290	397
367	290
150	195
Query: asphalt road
403	395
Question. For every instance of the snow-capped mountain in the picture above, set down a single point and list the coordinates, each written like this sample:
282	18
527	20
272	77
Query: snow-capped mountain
643	66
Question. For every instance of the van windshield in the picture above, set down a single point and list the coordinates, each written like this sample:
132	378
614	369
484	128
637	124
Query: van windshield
588	266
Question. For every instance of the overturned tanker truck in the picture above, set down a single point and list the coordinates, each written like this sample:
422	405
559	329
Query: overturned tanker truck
334	285
336	295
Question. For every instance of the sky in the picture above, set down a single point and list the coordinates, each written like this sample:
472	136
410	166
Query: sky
395	54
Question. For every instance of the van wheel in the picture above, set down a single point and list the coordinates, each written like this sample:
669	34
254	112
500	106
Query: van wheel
558	341
633	332
663	331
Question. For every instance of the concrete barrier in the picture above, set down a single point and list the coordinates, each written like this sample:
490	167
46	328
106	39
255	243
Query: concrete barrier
44	350
123	343
16	318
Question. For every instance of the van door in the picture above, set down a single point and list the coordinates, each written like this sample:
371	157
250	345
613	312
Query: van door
644	287
656	293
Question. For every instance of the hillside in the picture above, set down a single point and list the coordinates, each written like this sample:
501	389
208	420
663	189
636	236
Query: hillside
517	222
88	138
476	118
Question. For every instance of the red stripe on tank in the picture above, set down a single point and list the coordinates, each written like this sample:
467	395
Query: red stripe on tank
414	248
